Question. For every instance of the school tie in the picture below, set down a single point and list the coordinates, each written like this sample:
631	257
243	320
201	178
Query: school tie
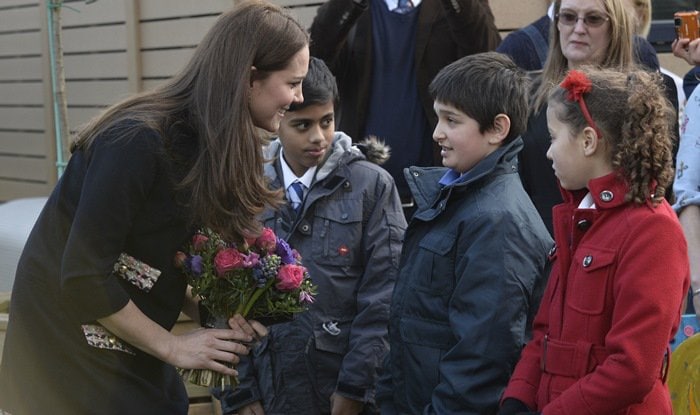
296	195
404	6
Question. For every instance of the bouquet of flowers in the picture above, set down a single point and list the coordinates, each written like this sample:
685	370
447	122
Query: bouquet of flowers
262	278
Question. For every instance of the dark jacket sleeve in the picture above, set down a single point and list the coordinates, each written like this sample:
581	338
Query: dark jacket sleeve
472	25
385	388
330	28
368	342
247	390
118	179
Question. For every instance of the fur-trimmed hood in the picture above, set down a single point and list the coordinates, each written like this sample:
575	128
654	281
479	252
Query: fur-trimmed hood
343	151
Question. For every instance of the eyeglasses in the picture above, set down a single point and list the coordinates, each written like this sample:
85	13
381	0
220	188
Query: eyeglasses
569	18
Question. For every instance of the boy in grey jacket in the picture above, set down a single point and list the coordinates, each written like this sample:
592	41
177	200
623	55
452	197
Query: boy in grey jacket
345	219
474	260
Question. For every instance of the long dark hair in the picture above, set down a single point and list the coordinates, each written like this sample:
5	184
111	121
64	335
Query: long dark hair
225	183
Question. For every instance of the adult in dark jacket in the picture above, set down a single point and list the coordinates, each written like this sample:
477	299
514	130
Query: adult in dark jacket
474	261
384	61
528	46
89	329
348	229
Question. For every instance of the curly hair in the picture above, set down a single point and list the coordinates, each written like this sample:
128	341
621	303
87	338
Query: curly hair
635	119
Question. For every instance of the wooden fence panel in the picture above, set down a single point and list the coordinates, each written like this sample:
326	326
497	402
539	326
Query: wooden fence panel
10	4
21	93
20	69
21	118
20	44
22	143
511	14
94	39
96	66
175	33
15	189
163	9
78	116
96	92
164	63
24	168
81	13
22	18
305	15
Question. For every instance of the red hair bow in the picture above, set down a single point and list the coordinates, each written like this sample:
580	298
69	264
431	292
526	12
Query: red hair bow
577	84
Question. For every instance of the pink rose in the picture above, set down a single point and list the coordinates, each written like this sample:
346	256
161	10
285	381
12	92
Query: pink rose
249	240
199	241
289	277
267	240
227	260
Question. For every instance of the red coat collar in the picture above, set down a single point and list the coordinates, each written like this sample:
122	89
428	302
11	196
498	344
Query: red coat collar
608	191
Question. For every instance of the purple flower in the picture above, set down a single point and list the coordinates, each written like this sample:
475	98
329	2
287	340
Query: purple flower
251	260
196	264
285	252
305	297
259	277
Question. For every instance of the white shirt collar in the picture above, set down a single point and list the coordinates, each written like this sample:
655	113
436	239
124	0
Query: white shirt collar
587	202
290	177
392	4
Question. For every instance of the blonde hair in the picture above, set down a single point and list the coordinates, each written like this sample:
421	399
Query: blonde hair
619	54
635	119
225	184
642	16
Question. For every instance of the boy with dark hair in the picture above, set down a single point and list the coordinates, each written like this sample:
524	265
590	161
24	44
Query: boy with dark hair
344	217
474	259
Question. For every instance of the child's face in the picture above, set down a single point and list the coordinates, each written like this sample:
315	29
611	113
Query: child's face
566	152
306	135
461	143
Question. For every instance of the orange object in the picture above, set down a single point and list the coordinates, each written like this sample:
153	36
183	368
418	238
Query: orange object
686	24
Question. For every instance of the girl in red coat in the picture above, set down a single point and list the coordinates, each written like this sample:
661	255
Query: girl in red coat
620	267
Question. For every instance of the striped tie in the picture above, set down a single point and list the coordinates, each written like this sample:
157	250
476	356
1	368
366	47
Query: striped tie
404	6
296	195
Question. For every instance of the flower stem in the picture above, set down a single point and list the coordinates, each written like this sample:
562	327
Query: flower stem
254	298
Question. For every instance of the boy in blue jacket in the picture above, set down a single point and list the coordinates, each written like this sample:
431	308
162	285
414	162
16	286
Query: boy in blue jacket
344	217
474	259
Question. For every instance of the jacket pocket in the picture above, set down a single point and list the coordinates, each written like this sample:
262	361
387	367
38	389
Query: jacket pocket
591	271
332	336
429	333
435	268
337	233
423	346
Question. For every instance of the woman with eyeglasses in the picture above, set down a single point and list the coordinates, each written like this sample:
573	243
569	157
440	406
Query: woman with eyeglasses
583	32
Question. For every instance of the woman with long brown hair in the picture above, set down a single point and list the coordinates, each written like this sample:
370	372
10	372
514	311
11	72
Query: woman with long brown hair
96	291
